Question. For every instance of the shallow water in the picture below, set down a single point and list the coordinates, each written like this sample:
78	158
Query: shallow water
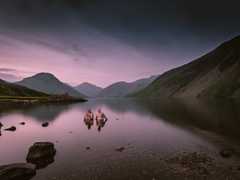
148	131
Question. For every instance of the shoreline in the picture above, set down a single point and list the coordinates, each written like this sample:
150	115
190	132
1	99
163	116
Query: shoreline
11	100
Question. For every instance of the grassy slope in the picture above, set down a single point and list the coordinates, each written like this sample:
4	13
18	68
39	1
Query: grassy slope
9	89
215	74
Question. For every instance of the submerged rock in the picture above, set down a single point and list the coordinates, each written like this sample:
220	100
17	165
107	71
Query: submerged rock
46	124
1	125
121	149
41	154
21	171
88	148
22	123
13	128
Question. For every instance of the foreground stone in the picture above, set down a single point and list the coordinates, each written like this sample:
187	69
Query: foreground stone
13	128
21	171
46	124
226	153
41	154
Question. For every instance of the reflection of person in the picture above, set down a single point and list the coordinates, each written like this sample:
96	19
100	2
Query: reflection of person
1	125
89	119
101	119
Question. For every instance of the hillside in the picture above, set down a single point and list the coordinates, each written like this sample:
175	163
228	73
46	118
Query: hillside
88	89
48	83
9	89
216	74
122	89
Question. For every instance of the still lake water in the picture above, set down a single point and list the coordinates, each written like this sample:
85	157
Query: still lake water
147	131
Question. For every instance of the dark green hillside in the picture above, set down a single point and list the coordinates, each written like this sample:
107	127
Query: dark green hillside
216	74
9	89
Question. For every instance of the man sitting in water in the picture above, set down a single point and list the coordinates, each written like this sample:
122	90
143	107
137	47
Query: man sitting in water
89	116
101	117
89	119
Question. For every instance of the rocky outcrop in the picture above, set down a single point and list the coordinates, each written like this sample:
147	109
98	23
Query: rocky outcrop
21	171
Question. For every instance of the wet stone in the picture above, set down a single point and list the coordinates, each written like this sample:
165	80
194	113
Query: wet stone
13	128
46	124
41	154
226	153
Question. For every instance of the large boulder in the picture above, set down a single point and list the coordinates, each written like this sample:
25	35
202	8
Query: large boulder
41	154
21	171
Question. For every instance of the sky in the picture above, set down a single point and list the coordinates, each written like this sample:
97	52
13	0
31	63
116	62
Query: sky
105	41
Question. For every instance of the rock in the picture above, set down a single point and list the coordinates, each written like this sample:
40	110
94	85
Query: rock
46	124
226	153
22	123
21	171
1	125
88	148
13	128
41	154
121	149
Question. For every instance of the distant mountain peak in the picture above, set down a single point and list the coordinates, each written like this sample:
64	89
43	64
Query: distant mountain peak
48	83
88	89
45	75
123	89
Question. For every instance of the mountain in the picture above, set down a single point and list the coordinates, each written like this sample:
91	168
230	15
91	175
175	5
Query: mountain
88	89
122	89
10	89
216	74
48	83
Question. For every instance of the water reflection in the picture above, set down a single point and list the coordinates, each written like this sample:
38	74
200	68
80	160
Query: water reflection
41	113
219	116
1	125
143	128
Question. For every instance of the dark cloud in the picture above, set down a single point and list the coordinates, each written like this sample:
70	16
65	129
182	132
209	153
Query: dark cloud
165	33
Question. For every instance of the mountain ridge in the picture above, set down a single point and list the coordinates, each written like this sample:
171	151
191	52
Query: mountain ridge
215	74
48	83
88	89
123	89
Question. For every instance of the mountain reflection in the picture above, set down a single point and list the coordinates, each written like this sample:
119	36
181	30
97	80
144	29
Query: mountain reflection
221	116
41	113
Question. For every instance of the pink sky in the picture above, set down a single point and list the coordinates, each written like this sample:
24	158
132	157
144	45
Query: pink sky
93	58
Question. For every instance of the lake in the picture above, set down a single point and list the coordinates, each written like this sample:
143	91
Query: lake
135	140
